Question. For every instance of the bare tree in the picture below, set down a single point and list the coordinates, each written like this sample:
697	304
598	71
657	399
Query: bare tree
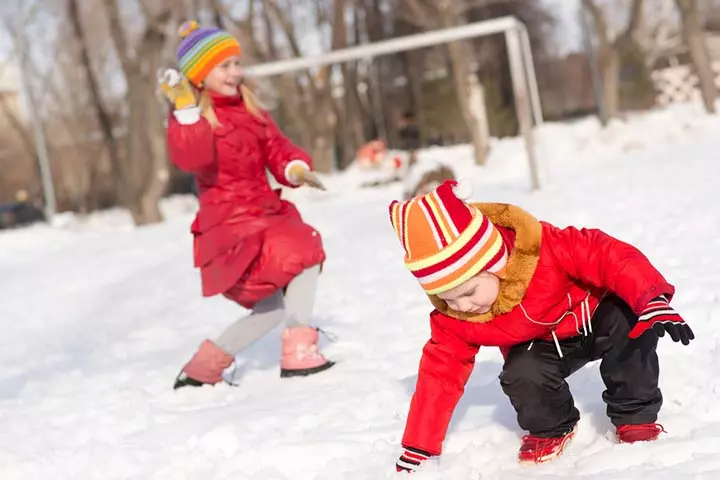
694	37
432	14
103	116
661	36
316	99
143	173
609	50
349	108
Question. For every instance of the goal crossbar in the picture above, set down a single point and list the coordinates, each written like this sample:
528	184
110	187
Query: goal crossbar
527	97
385	47
411	42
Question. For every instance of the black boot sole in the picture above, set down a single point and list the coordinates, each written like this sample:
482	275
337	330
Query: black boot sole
181	382
285	373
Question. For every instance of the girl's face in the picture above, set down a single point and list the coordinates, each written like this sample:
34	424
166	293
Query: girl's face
225	77
477	295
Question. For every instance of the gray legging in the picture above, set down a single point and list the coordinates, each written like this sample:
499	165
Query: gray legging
295	308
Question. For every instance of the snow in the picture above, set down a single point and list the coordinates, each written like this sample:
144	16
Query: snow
98	318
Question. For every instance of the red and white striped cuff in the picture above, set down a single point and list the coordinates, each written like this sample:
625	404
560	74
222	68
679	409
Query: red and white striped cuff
411	459
656	309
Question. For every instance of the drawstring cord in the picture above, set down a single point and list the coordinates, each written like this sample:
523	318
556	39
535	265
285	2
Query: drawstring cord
585	321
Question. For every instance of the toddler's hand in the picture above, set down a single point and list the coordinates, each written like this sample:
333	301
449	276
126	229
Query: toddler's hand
656	318
659	316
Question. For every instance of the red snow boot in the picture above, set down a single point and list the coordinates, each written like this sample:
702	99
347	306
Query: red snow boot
205	367
540	450
646	432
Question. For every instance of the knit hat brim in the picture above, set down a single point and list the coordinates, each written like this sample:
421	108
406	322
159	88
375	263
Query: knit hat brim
446	241
479	248
203	49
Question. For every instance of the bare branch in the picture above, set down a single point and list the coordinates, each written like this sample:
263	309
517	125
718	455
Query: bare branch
103	117
599	19
117	32
244	27
636	12
419	14
286	24
17	125
157	21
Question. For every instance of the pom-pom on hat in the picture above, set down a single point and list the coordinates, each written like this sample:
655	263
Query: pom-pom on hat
446	240
202	49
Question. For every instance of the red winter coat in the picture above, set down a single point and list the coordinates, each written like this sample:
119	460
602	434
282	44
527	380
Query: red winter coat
555	280
248	242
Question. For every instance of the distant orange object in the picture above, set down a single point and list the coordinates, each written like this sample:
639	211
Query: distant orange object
371	154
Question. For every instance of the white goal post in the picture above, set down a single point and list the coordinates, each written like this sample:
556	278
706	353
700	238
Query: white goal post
525	86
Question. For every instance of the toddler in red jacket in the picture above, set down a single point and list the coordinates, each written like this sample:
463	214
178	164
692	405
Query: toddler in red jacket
250	245
552	299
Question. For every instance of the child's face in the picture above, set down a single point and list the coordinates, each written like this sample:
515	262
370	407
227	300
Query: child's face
477	295
225	78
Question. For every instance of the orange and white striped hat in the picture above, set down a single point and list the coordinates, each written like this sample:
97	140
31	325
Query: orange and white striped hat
447	241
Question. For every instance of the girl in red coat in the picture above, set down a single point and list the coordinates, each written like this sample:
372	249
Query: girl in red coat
249	244
552	299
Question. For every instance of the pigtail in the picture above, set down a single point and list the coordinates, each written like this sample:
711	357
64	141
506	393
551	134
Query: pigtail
207	110
252	102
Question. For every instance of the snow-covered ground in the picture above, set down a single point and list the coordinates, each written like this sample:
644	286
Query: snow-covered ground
97	318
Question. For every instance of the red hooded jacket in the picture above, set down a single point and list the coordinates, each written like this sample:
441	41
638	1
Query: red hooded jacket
555	281
248	242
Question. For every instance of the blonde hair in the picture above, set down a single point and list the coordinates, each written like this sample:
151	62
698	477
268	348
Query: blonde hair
252	103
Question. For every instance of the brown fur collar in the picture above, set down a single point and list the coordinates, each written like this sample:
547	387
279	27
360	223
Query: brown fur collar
521	264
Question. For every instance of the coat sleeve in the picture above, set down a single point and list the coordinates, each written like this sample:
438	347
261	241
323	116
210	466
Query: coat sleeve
596	258
281	154
190	147
445	367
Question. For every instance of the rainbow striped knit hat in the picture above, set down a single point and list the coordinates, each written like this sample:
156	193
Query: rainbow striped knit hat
447	241
202	49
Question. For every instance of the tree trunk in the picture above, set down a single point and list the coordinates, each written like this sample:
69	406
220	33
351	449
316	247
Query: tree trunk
159	168
315	117
382	110
139	174
344	107
324	125
695	39
354	116
101	113
142	181
608	62
610	70
461	56
414	72
460	60
608	55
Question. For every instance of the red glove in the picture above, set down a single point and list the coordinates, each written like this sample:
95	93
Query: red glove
659	316
411	459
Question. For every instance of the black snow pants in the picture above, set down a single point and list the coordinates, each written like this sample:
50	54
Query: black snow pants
534	376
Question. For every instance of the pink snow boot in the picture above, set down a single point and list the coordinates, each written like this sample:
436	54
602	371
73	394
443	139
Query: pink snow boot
205	367
300	356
